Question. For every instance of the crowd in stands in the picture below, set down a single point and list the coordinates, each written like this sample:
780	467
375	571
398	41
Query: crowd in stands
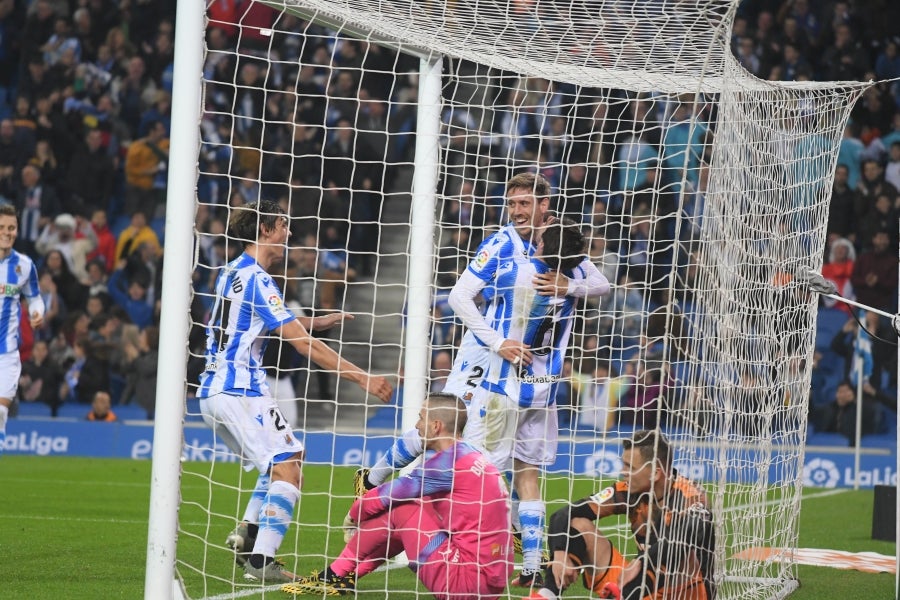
320	123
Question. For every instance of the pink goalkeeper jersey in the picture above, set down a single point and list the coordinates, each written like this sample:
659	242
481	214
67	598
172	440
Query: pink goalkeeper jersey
469	496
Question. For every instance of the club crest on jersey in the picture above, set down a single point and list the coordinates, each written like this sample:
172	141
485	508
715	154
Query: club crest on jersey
19	270
481	259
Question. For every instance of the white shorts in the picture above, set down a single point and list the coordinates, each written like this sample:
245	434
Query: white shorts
251	427
502	430
469	367
10	370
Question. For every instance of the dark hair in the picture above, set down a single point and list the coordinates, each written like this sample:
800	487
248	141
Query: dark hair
246	222
652	444
152	333
563	245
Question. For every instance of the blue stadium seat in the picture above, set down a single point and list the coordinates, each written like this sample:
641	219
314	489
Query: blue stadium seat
130	412
828	322
158	225
73	410
192	411
880	440
385	417
827	439
33	409
119	225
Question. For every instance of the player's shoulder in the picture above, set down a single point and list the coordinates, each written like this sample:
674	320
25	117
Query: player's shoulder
615	493
688	492
22	263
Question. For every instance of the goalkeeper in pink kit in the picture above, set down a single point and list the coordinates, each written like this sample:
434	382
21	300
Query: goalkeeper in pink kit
450	516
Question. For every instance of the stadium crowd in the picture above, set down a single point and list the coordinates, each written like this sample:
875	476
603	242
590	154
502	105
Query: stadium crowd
321	124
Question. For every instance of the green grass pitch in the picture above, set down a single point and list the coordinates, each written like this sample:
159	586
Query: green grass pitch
76	528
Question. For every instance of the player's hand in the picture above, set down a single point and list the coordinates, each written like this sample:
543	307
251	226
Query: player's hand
551	283
379	387
515	352
564	571
36	320
349	526
328	321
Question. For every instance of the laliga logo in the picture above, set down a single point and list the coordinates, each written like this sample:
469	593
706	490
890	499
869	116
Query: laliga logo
821	472
603	462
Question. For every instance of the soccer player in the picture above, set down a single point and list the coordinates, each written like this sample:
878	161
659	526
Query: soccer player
18	276
234	398
670	520
450	516
488	341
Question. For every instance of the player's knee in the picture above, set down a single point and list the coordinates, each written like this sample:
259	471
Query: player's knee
289	470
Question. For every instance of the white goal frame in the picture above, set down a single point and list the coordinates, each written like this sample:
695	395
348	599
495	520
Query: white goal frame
160	580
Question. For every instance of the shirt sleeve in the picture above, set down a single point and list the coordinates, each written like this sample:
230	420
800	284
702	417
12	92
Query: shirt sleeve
462	301
589	282
268	303
434	477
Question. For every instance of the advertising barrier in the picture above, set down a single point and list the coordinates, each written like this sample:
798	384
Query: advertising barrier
823	466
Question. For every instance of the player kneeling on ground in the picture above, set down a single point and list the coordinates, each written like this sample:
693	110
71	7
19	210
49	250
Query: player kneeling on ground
671	523
450	516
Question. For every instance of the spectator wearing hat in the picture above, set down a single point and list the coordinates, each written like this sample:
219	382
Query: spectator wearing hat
73	237
37	204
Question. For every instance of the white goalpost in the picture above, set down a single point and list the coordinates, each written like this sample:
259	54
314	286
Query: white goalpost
387	131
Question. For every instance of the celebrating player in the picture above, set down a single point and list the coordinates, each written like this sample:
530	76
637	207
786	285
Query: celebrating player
235	400
670	520
450	516
18	276
488	340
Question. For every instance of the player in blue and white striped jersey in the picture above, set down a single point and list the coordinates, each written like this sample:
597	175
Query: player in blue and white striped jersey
234	398
512	416
18	277
528	201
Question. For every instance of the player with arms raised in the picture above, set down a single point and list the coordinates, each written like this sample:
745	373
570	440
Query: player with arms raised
235	400
18	277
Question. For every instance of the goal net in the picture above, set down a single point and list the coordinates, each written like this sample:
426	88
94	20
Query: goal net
701	190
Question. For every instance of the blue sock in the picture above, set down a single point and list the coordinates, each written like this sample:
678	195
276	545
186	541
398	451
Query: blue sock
532	515
251	514
407	448
274	517
514	503
4	411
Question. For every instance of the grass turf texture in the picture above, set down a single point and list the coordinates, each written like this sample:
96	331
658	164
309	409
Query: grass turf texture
76	528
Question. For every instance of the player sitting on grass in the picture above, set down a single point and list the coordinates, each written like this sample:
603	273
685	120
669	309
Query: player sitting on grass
450	516
671	523
512	415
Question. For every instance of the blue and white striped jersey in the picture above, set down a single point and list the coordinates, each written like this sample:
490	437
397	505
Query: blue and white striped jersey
18	276
248	304
472	356
543	323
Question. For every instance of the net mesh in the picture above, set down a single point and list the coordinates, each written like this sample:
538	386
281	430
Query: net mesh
701	190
